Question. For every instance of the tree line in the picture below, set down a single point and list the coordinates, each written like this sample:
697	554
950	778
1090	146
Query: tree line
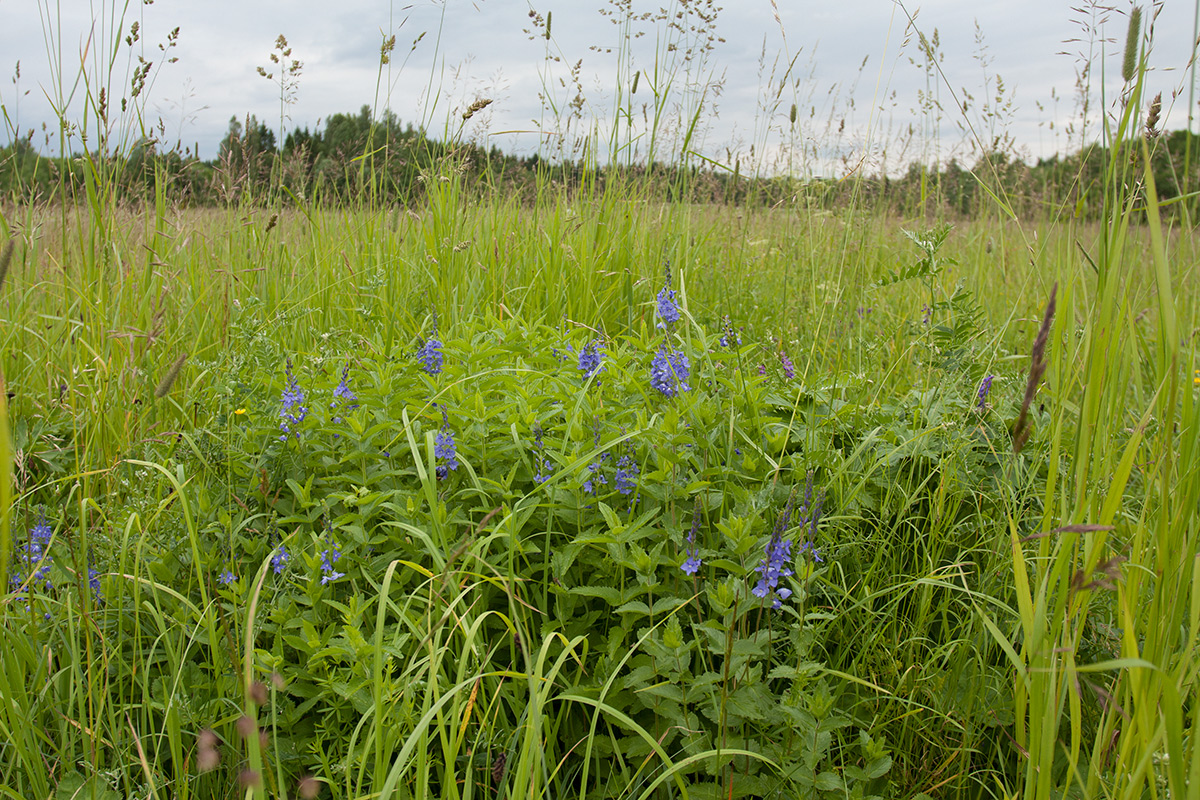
357	157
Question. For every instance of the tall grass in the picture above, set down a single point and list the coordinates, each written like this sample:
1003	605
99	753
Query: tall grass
990	619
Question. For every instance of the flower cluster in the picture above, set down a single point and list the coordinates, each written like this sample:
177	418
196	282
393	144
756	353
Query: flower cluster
544	470
329	557
776	563
293	410
430	355
343	393
984	388
445	451
788	368
669	371
729	337
35	555
667	307
590	359
625	478
693	563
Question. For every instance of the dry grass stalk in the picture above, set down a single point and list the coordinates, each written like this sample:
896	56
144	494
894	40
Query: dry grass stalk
5	260
1037	367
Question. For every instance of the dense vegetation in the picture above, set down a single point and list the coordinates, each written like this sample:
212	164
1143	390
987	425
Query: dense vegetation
562	481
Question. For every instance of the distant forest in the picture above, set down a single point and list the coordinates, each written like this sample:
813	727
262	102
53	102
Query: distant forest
357	158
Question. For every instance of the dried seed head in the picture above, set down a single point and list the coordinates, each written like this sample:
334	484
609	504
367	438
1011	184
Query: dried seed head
1037	366
258	693
478	105
249	777
309	787
207	755
1153	115
246	727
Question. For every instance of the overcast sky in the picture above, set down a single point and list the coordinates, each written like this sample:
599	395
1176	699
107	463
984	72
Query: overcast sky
847	110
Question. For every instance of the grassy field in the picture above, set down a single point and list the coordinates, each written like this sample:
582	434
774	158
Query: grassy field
598	497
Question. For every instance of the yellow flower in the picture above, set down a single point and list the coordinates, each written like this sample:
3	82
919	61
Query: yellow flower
240	411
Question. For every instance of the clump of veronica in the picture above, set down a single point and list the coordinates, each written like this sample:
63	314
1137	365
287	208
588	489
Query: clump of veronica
809	516
34	557
544	470
281	557
693	563
789	369
590	359
430	355
329	557
777	561
982	395
729	337
594	475
343	394
625	478
445	450
669	371
293	410
666	306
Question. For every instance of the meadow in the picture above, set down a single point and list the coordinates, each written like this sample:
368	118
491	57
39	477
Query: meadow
597	495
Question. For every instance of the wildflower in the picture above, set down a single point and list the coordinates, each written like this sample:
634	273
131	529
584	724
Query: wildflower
775	564
984	388
446	452
693	563
728	335
279	560
544	470
226	577
35	556
343	390
625	479
669	372
293	411
788	368
595	476
590	358
430	355
668	309
94	583
329	557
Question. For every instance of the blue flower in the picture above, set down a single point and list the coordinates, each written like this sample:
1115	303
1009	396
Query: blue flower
446	452
595	476
590	358
292	412
329	557
544	470
625	479
430	355
777	560
669	372
984	388
693	563
226	577
667	307
35	555
728	335
279	560
344	392
788	368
